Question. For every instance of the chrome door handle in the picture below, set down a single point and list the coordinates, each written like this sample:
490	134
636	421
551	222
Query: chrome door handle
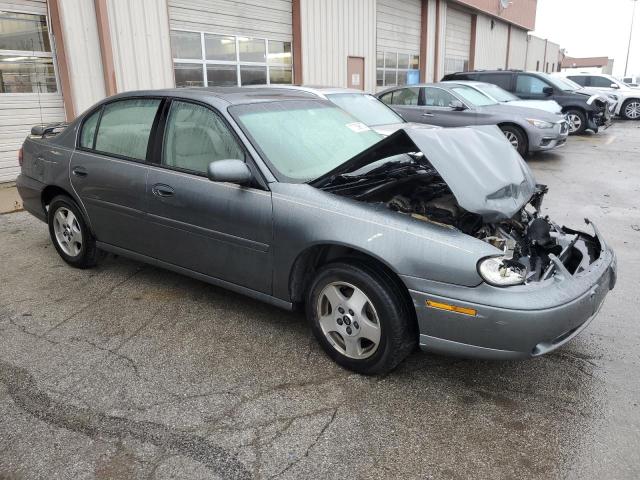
161	190
79	172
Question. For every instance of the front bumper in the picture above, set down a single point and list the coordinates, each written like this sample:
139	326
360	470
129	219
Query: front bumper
513	322
548	139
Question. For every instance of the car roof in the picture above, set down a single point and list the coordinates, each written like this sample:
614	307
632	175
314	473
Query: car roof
230	95
317	90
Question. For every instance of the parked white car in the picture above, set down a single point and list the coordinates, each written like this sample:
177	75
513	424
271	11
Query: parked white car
627	98
502	96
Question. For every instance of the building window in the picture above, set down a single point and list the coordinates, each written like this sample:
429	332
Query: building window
26	59
206	59
393	68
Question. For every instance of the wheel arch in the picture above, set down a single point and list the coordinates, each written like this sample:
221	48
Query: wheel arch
314	257
52	191
520	128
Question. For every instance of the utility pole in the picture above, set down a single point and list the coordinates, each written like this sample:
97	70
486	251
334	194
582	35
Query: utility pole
633	14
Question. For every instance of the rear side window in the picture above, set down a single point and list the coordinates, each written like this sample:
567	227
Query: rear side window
436	97
125	127
503	80
195	136
403	96
530	85
579	79
88	134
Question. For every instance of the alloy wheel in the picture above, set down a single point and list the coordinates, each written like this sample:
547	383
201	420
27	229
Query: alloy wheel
348	320
513	139
632	110
575	122
67	231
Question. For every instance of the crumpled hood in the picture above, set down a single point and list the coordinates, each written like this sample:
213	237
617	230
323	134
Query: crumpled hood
483	170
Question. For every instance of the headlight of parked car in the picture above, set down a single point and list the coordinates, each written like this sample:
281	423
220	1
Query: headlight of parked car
540	123
500	273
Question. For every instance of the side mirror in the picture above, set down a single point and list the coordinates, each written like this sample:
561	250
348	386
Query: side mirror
547	91
457	106
615	85
230	171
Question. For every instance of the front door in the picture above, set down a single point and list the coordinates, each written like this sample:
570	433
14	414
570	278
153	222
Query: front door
355	72
218	229
436	109
108	171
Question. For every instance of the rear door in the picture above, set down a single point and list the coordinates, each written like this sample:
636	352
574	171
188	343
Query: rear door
217	229
406	102
108	170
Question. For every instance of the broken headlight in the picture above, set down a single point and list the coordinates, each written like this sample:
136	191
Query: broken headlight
540	123
499	272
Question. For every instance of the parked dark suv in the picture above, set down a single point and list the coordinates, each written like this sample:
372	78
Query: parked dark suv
583	111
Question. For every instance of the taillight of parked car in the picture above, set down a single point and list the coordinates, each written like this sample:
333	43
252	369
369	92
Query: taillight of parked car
20	156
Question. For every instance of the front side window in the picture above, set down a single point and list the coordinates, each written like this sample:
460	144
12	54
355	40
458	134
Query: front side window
206	59
601	82
26	58
529	85
473	96
311	138
393	68
195	136
436	97
369	110
125	127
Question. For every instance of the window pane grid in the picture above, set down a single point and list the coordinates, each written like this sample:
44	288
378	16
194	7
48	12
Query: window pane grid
26	56
261	60
394	68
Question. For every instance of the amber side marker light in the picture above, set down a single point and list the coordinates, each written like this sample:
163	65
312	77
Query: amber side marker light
452	308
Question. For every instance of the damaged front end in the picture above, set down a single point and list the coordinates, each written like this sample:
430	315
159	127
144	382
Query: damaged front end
473	181
601	116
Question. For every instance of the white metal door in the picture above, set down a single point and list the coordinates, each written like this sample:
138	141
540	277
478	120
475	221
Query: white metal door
457	43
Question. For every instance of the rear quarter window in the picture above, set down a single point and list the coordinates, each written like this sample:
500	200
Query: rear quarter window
503	80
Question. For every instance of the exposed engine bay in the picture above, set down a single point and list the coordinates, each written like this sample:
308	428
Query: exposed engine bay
532	244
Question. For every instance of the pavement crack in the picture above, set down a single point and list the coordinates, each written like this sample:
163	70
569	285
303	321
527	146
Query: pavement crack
311	445
25	393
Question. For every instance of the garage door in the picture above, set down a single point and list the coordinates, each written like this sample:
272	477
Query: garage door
457	41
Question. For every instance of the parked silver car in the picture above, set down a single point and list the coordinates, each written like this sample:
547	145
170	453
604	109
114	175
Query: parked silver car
454	104
429	236
363	106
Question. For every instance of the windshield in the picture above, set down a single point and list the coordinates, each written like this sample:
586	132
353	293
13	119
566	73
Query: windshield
303	139
366	108
497	93
473	96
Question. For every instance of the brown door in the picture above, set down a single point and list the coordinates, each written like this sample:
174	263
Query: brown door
355	72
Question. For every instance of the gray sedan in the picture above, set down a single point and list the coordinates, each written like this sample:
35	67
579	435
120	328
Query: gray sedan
453	104
428	236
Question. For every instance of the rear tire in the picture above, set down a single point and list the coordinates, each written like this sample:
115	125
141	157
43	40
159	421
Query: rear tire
517	138
631	109
69	233
360	317
577	121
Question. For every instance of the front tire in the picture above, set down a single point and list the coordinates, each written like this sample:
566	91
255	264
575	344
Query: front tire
631	109
577	121
360	317
517	138
69	233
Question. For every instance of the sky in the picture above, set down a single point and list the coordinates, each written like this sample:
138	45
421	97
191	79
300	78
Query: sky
592	28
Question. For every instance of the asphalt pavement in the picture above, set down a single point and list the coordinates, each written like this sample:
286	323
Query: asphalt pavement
128	371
